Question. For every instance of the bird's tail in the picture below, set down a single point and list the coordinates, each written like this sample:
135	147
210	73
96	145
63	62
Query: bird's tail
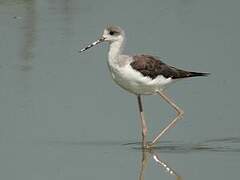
193	74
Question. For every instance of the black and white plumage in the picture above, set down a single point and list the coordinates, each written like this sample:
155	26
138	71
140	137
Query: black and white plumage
141	74
152	67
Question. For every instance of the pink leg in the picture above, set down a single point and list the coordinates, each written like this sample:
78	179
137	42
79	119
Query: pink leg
179	115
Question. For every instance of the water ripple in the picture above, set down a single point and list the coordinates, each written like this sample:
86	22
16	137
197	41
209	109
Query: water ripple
228	144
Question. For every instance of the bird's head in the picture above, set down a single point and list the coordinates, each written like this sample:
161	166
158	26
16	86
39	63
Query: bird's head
113	33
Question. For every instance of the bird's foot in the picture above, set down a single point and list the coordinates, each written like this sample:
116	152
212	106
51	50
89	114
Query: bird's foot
148	146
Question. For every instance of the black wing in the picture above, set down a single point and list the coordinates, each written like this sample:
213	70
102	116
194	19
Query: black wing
152	67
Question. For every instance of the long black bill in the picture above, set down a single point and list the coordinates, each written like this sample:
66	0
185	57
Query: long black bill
92	44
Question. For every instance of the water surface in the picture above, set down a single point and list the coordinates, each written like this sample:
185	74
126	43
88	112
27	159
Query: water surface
62	117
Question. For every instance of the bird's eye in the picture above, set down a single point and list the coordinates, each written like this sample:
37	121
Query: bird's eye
111	33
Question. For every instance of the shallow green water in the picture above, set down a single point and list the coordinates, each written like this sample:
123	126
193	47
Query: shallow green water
62	117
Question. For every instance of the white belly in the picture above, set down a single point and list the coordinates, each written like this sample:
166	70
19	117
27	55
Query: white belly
134	82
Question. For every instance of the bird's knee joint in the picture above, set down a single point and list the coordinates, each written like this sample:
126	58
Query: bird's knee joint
181	112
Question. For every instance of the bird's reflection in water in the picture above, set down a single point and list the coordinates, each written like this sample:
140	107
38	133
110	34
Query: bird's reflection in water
150	153
219	145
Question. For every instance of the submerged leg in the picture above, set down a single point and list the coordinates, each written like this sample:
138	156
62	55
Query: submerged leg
144	163
143	122
179	115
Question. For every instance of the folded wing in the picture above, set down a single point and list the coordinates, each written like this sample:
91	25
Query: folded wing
152	67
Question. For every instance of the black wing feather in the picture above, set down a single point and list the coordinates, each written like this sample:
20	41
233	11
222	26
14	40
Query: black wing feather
152	67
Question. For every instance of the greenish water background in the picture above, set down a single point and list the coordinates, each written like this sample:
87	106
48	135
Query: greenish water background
62	117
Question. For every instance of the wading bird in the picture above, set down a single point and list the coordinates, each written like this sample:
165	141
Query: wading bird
141	75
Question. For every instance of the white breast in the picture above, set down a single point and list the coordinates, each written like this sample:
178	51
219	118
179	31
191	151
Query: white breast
134	82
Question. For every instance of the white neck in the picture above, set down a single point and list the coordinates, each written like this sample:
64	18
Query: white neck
115	49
